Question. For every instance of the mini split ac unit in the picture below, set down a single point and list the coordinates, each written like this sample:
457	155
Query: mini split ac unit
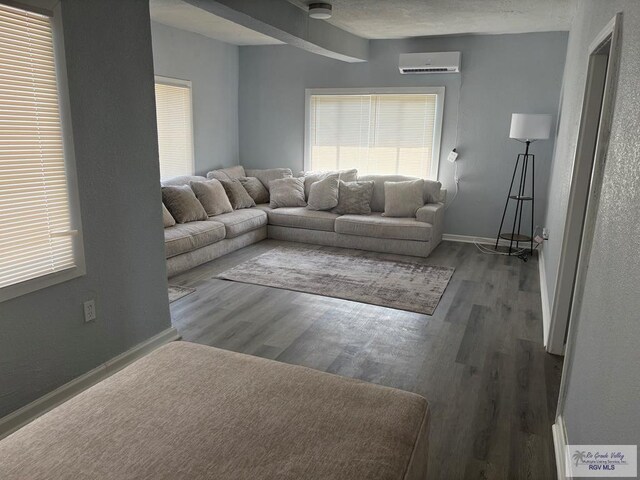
442	62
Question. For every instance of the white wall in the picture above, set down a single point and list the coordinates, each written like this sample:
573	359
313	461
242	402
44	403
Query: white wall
602	405
501	74
212	67
44	341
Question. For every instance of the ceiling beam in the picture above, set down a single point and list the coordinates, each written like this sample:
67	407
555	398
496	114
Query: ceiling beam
284	21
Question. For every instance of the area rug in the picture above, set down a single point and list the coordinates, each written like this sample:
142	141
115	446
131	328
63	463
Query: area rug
176	292
414	287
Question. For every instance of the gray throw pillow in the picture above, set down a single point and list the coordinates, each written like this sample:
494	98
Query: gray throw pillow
183	204
287	192
354	198
255	189
323	195
403	199
167	219
212	196
312	177
269	174
238	196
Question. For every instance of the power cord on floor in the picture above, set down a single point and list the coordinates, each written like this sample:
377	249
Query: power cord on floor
521	254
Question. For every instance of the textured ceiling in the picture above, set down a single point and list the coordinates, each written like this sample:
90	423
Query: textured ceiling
179	14
418	18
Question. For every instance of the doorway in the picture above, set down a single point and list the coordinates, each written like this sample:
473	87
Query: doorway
584	199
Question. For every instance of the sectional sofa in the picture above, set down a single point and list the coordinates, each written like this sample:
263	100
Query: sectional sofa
191	244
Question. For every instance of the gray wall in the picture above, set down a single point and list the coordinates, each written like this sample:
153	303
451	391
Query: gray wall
44	342
502	74
603	381
212	67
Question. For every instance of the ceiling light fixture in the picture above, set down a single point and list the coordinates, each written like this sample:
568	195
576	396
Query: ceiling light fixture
320	11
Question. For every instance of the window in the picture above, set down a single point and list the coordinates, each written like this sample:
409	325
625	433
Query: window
386	131
175	129
39	230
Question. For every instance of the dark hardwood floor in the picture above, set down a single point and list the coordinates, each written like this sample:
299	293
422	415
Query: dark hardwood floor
478	360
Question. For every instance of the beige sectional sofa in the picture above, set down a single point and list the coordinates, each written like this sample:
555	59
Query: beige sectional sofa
190	244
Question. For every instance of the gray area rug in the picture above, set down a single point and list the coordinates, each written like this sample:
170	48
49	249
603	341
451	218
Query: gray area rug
402	285
176	292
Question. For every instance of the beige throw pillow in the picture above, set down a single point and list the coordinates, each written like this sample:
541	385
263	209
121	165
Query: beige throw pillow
238	196
354	198
183	204
269	174
255	189
323	195
403	199
287	192
212	196
167	219
312	177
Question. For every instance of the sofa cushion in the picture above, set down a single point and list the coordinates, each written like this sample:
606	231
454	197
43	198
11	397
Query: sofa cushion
238	196
354	198
227	173
287	192
431	189
403	199
183	238
167	218
323	195
301	217
212	196
312	177
242	221
269	174
377	226
255	189
182	180
183	204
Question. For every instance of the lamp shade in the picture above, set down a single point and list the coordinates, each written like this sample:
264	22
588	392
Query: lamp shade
527	126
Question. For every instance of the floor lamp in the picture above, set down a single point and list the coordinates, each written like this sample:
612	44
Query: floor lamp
525	128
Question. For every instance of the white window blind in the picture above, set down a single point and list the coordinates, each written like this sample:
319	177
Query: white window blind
175	136
35	226
375	133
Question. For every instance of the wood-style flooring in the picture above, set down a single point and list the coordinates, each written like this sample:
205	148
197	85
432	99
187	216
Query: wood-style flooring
478	360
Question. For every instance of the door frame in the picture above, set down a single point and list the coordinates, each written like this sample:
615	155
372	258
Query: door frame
611	33
586	168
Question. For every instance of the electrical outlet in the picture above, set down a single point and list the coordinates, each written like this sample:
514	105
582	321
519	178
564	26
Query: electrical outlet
453	156
89	310
545	233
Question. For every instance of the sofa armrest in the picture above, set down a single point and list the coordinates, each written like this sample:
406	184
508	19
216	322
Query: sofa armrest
433	213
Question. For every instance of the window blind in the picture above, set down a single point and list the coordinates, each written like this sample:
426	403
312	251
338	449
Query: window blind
377	134
175	136
35	227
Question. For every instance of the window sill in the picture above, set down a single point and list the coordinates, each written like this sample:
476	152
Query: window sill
28	286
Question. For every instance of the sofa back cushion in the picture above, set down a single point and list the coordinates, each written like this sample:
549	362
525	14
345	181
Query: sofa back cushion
227	173
212	196
182	180
268	175
183	204
312	177
431	189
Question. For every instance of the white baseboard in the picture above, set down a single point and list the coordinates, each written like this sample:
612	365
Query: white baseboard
544	296
560	442
42	405
451	237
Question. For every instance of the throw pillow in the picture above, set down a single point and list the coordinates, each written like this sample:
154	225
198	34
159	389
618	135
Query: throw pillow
238	196
266	176
287	192
255	189
312	177
167	219
402	199
323	195
354	198
212	196
227	173
183	204
432	191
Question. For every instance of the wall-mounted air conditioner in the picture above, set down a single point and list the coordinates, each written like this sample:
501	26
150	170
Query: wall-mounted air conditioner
441	62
